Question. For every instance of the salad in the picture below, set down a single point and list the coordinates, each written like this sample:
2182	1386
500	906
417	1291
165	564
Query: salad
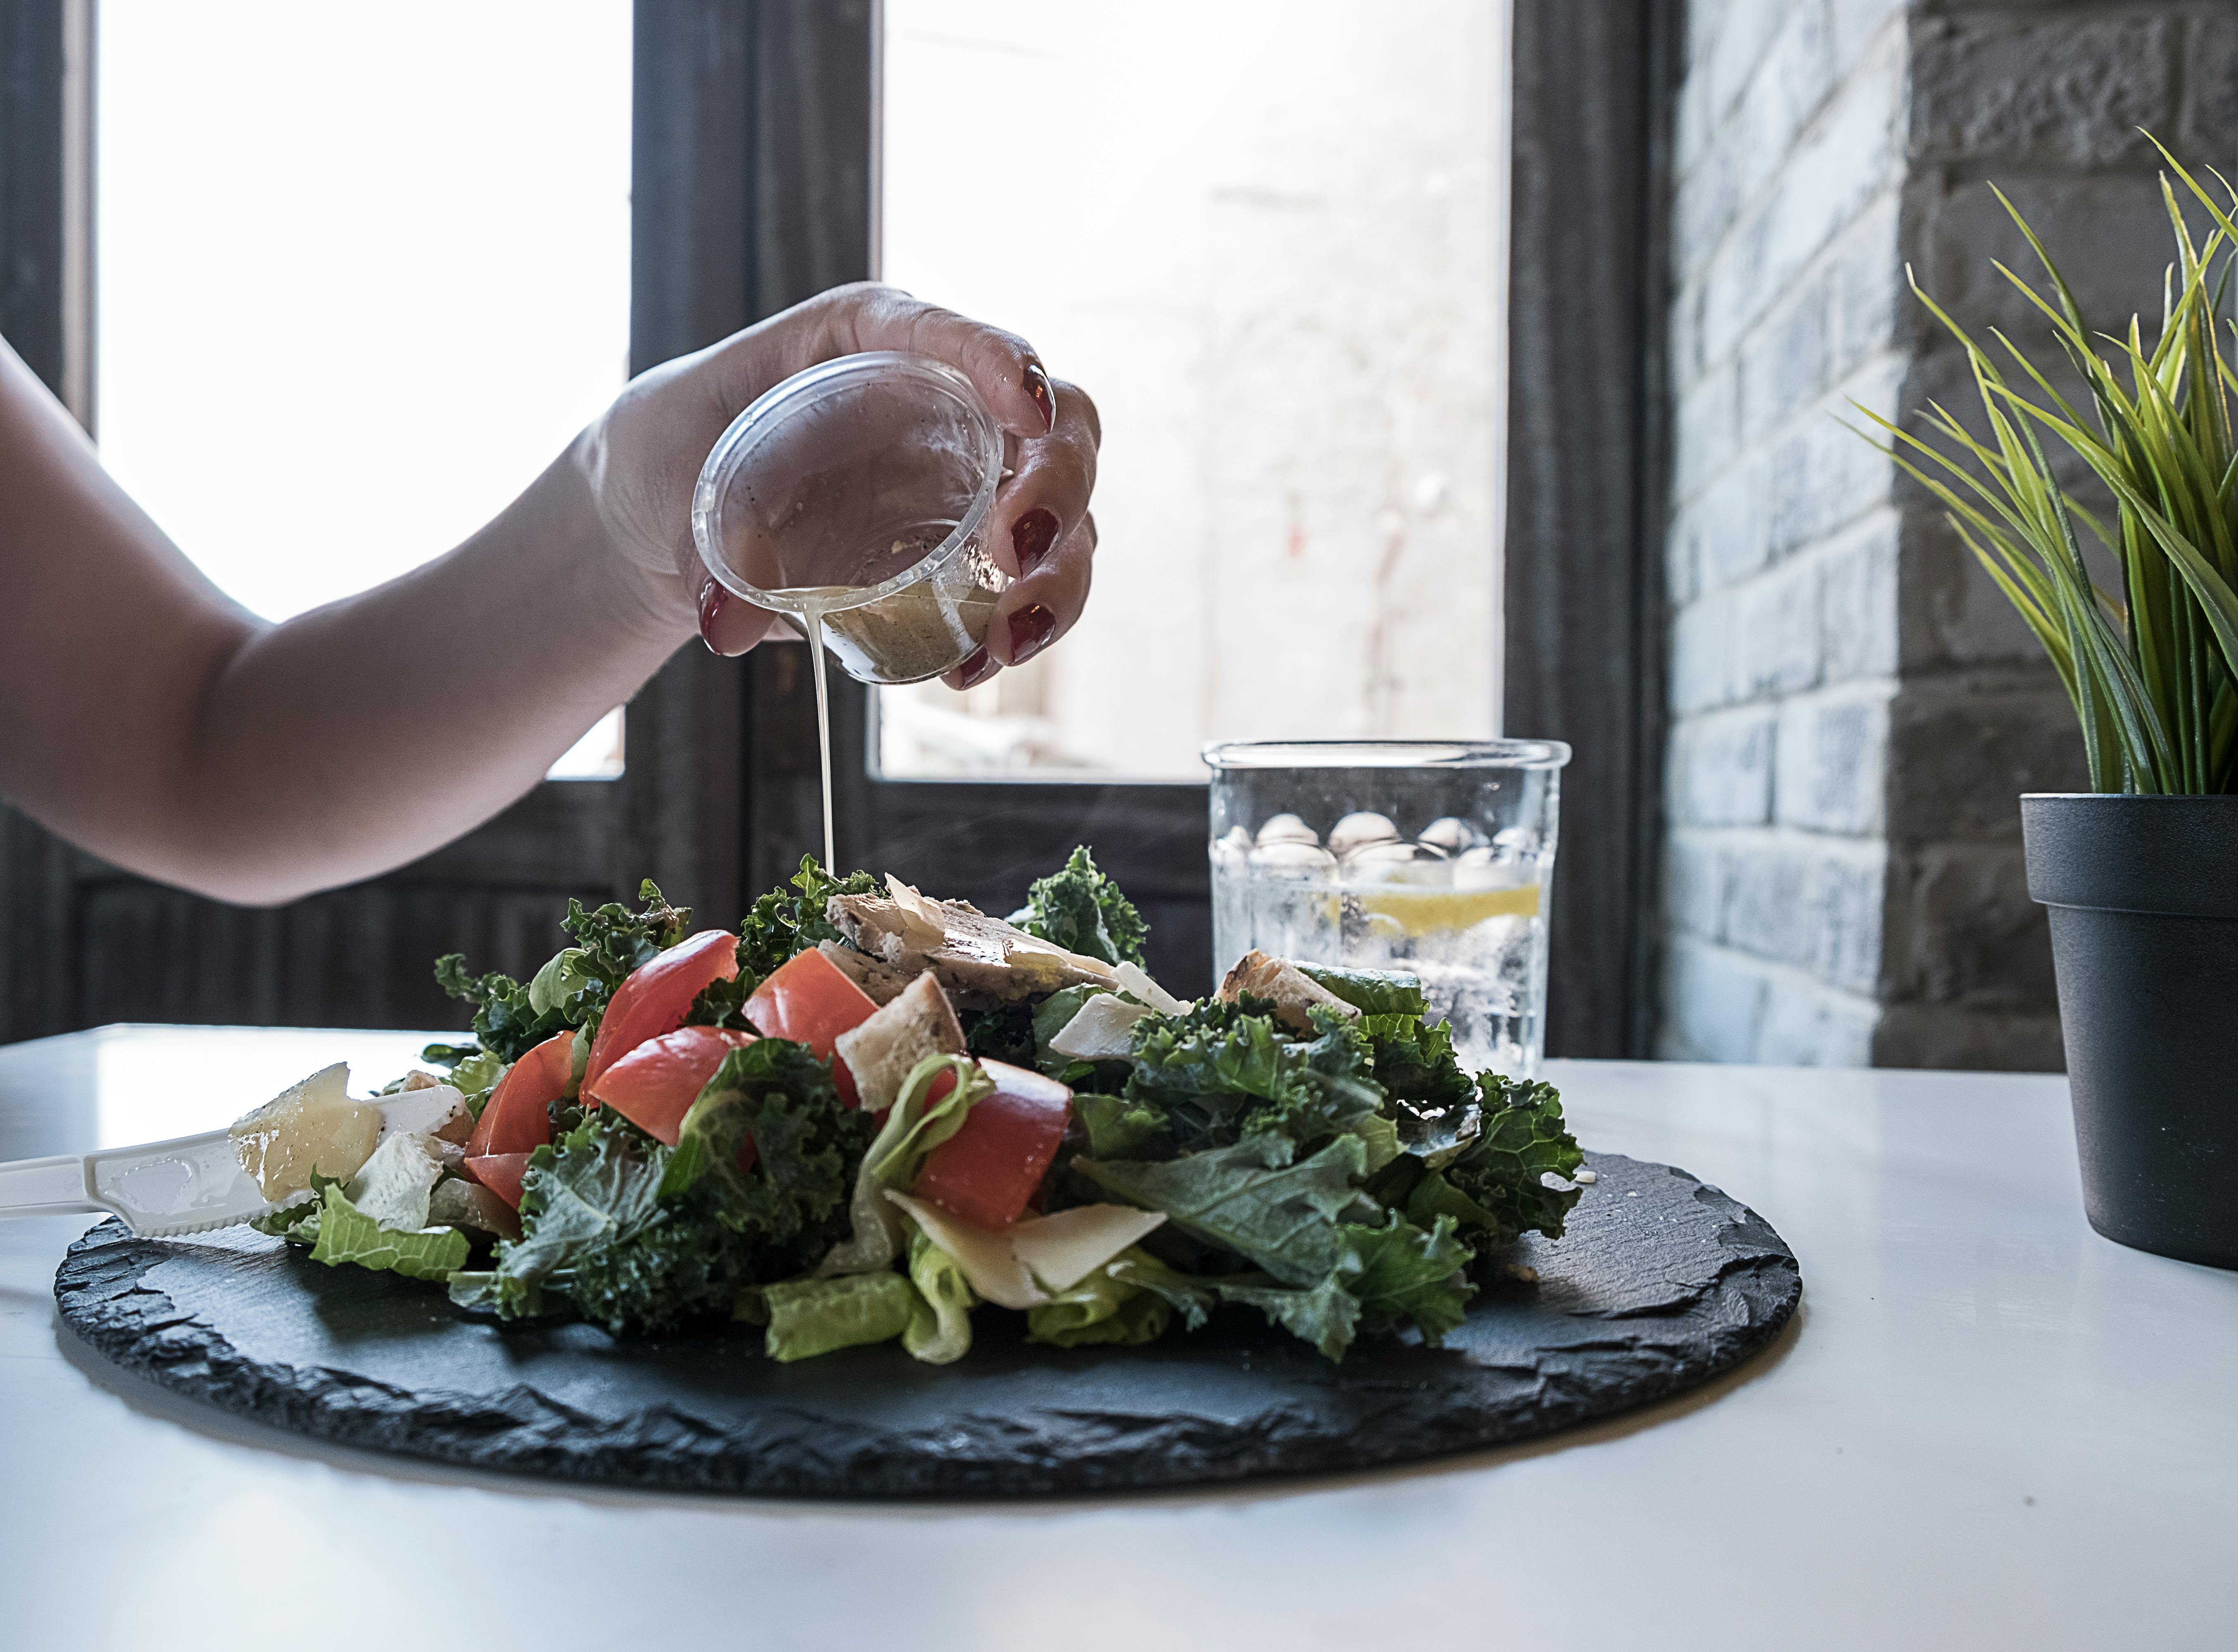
868	1115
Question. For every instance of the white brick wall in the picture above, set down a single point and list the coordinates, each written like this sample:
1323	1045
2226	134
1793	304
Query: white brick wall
1854	708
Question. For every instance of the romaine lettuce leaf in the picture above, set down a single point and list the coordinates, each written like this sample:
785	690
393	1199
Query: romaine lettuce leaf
346	1234
941	1332
1100	1309
1370	991
916	1123
812	1316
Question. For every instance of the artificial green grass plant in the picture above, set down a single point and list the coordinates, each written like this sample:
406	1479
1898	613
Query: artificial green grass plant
2153	670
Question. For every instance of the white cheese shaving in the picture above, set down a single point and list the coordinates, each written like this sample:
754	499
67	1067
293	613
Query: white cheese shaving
988	1260
392	1187
1102	1028
310	1125
1133	978
1062	1249
1022	1265
924	925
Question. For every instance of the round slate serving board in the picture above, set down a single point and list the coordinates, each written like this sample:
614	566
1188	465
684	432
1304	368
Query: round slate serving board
1660	1284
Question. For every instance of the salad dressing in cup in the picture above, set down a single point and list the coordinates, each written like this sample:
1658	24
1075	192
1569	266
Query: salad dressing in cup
853	500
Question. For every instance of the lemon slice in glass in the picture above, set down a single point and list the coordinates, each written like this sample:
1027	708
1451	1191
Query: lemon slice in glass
1433	912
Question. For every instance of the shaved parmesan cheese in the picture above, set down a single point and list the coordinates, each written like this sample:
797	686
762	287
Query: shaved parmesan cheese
1102	1028
1133	978
987	1259
1062	1249
923	923
1021	1266
424	1110
308	1126
392	1187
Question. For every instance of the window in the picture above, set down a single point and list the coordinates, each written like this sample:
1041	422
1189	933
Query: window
361	273
1269	236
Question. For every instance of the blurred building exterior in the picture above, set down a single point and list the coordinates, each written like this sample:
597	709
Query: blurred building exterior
1853	707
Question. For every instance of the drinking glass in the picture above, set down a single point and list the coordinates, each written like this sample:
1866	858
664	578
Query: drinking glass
1435	858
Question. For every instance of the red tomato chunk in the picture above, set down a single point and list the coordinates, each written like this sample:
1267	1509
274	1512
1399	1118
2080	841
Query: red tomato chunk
989	1169
654	1085
810	1000
657	996
517	1117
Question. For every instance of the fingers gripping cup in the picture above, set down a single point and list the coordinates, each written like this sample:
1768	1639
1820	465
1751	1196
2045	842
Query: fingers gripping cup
855	498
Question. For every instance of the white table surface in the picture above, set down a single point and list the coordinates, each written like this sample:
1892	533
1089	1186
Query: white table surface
1987	1428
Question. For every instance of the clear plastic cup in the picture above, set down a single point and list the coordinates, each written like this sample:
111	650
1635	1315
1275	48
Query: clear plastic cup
856	494
1431	857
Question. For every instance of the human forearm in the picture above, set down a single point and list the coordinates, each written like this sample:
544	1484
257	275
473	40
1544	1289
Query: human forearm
362	734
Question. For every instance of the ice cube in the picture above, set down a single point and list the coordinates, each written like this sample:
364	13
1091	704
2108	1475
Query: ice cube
1486	867
1397	863
1453	835
1287	828
1516	842
1360	828
1232	848
1288	858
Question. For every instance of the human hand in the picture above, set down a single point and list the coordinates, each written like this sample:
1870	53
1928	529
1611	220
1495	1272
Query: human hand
642	458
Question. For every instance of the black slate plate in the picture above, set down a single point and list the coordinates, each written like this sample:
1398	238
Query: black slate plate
1660	1284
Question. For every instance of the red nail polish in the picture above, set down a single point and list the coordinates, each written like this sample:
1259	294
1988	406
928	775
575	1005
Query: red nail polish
1044	394
1030	631
978	668
1031	535
712	601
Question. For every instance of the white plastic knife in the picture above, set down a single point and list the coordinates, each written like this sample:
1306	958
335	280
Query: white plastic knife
188	1185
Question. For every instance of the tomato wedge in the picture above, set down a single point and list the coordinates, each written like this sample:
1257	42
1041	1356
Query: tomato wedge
989	1169
501	1174
654	1085
516	1118
657	995
810	1000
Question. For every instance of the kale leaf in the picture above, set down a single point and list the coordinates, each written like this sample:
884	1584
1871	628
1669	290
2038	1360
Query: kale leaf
1521	1139
1223	1071
573	986
789	919
1081	910
807	1144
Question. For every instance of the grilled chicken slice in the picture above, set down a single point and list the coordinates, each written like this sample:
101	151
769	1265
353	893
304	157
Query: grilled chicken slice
980	960
1294	992
880	981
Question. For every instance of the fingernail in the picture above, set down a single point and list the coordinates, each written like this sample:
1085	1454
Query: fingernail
1031	535
1030	631
711	603
977	669
1044	394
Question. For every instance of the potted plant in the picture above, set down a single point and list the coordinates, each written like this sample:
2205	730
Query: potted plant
2139	875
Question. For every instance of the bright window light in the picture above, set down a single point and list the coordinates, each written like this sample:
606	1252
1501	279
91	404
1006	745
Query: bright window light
363	271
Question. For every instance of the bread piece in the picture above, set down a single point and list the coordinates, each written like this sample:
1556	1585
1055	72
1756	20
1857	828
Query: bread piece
882	1050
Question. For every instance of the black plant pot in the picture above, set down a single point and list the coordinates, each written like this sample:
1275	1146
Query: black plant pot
2143	893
